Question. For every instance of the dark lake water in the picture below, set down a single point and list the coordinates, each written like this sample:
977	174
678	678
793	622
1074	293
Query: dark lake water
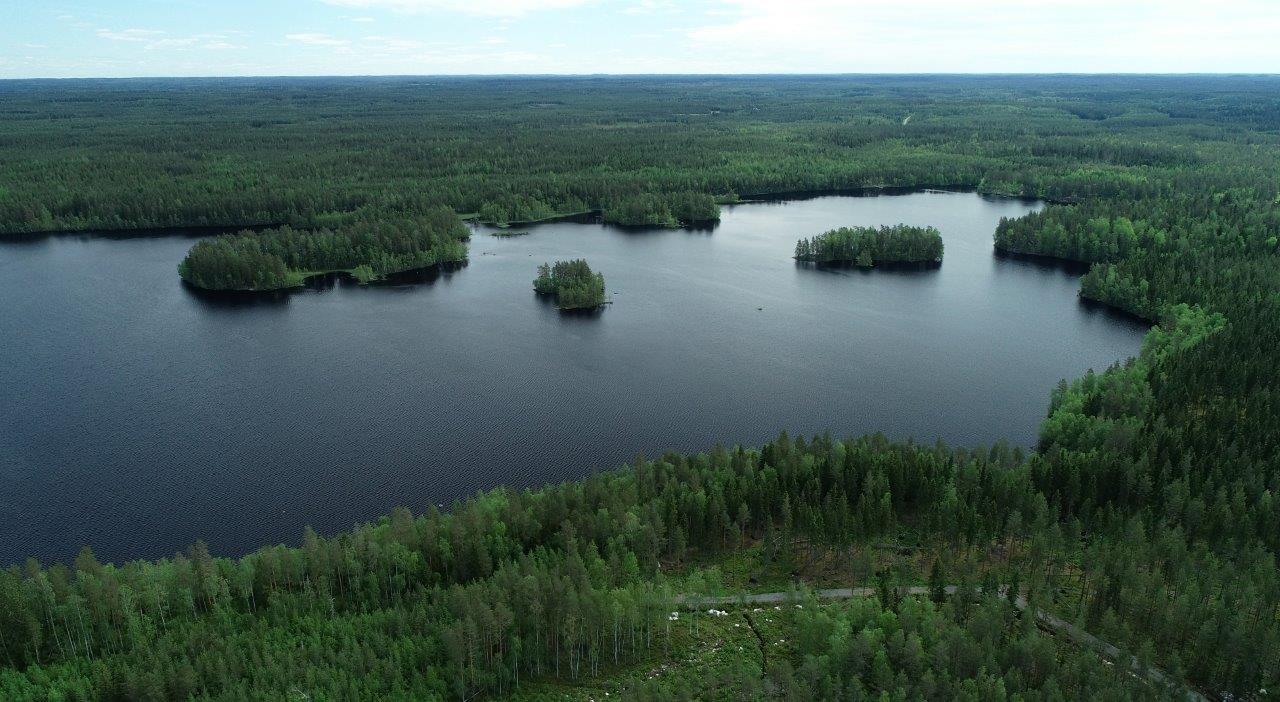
138	416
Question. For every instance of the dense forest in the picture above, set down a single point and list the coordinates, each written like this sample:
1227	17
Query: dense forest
265	152
369	248
1147	515
666	210
572	284
868	246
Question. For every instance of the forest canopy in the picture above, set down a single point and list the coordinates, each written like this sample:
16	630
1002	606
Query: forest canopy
571	284
369	249
298	151
1147	514
869	246
670	210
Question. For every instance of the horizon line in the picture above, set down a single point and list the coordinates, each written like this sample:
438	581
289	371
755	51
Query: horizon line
816	74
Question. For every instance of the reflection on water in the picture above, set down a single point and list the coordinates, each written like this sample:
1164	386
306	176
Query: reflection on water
235	299
1044	263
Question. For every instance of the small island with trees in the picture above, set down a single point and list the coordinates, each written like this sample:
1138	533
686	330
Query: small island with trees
572	284
367	249
866	247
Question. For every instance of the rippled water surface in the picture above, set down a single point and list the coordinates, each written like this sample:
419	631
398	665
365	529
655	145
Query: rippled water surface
138	416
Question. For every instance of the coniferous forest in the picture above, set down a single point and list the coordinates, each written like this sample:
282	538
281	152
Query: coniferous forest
572	284
867	246
1146	517
369	248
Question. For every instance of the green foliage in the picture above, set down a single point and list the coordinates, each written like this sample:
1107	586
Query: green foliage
369	248
957	650
867	246
1149	513
663	210
572	284
255	152
237	262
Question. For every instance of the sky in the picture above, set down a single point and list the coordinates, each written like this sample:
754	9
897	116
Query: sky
124	38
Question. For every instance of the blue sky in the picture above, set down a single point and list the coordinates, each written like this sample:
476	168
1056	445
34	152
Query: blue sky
77	38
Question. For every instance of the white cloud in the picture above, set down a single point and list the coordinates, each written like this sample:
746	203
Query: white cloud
139	35
645	7
995	35
316	39
697	36
172	43
391	45
473	7
153	39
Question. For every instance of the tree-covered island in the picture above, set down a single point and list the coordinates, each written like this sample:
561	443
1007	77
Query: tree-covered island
869	246
368	249
572	284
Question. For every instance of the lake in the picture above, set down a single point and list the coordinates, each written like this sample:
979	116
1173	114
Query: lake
138	415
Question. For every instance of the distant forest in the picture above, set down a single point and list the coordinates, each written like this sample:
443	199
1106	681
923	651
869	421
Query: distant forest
124	154
1148	514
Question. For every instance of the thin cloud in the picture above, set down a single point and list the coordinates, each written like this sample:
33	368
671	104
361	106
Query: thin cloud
647	7
137	35
155	40
997	35
393	45
471	7
316	39
172	43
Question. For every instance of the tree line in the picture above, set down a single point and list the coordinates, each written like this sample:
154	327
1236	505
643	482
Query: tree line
868	246
369	248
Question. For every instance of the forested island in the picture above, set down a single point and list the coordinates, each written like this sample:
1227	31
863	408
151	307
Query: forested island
572	284
1147	515
369	249
869	246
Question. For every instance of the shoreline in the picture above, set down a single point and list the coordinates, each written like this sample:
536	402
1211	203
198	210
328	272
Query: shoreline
472	218
309	277
1077	268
